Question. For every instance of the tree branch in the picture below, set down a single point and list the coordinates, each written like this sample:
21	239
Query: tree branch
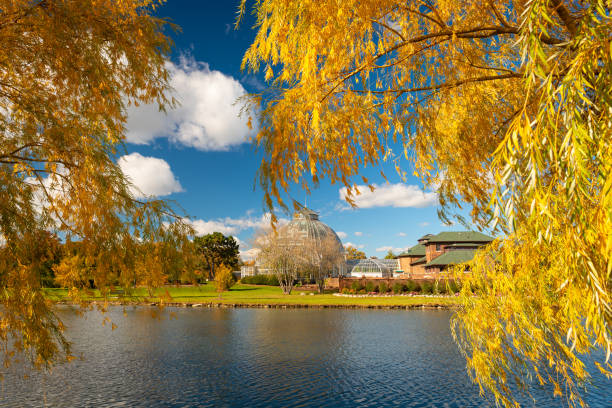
565	16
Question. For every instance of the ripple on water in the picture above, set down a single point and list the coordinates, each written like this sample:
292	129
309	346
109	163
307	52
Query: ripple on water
261	358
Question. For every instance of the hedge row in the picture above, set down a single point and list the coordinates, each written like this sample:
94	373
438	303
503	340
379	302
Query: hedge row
270	280
442	287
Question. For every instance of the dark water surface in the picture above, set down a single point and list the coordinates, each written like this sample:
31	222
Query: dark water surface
261	358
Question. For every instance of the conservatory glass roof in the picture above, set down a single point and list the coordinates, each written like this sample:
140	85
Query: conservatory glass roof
306	225
363	266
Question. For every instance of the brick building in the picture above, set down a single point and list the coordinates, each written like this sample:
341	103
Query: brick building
434	253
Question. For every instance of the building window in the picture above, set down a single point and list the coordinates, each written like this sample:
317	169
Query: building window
438	247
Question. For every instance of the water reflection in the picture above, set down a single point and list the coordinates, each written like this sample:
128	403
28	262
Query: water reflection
260	358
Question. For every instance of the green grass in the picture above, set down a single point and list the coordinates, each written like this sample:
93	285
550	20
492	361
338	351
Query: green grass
261	295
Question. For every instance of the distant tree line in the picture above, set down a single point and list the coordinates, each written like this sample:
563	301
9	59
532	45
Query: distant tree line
54	260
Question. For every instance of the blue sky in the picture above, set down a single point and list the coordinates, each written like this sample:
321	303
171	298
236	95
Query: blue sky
198	155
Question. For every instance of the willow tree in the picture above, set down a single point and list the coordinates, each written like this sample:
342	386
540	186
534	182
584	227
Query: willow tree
506	108
68	70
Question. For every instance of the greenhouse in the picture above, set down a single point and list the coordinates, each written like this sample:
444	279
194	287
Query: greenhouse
372	268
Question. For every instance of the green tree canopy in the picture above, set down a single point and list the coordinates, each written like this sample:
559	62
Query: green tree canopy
217	249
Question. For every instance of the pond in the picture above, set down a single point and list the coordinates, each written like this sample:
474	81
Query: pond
260	358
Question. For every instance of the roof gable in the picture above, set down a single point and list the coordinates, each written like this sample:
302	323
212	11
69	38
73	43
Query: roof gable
452	258
460	236
417	250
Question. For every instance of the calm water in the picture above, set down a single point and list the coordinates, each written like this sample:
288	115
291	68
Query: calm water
261	358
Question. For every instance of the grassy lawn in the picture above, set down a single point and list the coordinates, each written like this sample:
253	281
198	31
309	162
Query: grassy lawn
253	294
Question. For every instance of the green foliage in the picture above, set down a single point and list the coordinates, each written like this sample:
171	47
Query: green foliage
398	288
412	286
427	288
356	286
383	287
270	280
224	278
217	249
369	287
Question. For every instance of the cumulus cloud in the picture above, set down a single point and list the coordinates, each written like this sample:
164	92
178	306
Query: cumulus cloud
149	175
401	234
350	244
249	254
232	226
207	117
423	224
392	195
341	234
208	227
358	234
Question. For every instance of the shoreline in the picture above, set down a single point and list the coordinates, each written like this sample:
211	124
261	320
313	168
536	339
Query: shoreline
234	305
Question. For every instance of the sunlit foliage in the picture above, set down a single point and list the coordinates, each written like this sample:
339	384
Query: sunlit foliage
503	106
68	70
224	279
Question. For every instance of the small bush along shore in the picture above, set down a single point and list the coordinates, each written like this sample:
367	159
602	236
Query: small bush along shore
411	287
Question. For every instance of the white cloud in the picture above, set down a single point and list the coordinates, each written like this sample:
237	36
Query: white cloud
208	227
423	224
401	234
350	244
358	234
341	234
391	195
232	226
207	117
390	248
149	175
249	254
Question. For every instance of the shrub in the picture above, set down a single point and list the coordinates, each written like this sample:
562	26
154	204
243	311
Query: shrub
427	287
442	287
270	280
453	287
362	292
224	278
356	286
346	291
369	287
398	288
383	288
411	286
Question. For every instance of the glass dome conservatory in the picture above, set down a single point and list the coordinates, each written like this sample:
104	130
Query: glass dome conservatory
305	225
372	268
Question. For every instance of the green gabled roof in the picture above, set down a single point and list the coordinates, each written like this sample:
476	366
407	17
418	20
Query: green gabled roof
463	244
452	257
417	250
460	236
425	237
419	261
